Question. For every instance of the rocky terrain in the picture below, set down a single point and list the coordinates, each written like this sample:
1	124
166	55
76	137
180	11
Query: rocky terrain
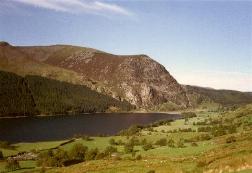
134	78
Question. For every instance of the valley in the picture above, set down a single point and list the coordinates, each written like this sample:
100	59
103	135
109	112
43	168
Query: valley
125	86
205	141
57	101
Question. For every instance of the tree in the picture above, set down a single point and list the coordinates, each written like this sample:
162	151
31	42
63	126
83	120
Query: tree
5	144
112	141
91	154
78	152
194	144
144	141
180	143
59	157
1	155
132	130
230	139
100	155
134	141
109	150
128	148
12	165
161	142
151	171
138	157
147	146
45	159
171	143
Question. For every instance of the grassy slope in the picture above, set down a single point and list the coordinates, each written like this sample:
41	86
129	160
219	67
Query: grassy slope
27	61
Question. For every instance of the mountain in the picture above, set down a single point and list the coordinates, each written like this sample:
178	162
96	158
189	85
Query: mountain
137	79
200	95
32	95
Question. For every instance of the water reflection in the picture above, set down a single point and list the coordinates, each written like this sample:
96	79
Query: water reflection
61	127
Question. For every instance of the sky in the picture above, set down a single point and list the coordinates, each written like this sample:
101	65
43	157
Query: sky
200	42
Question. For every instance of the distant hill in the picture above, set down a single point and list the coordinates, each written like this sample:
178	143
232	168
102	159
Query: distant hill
33	95
198	95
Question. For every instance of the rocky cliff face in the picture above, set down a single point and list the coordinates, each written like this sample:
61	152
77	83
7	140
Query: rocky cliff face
135	78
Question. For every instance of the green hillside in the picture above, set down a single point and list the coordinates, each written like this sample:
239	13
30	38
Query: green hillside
15	98
52	96
38	95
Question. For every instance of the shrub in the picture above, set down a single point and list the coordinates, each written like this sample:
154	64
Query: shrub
134	141
1	155
144	141
161	142
138	157
42	170
194	144
50	158
78	151
12	165
230	139
204	129
180	143
128	148
100	155
59	157
120	142
151	171
188	114
219	130
202	163
133	153
91	154
109	150
86	138
171	143
132	130
5	144
112	141
231	129
204	137
147	146
45	159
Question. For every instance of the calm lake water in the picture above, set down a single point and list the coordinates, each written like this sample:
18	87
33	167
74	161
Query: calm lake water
28	129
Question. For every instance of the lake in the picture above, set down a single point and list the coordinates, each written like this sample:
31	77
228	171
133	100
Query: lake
29	129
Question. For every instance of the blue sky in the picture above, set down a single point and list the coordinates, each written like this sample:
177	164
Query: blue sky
206	43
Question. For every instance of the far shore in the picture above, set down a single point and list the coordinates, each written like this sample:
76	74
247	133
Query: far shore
134	112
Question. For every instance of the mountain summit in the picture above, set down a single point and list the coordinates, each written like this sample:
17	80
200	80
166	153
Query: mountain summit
137	79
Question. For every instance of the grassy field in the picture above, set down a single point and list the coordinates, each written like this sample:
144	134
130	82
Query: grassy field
216	154
36	146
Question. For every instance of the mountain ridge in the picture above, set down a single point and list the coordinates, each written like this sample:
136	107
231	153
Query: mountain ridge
137	79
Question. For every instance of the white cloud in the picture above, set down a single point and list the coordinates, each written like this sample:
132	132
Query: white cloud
78	6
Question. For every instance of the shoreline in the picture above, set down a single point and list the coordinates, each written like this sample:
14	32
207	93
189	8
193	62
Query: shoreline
133	112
